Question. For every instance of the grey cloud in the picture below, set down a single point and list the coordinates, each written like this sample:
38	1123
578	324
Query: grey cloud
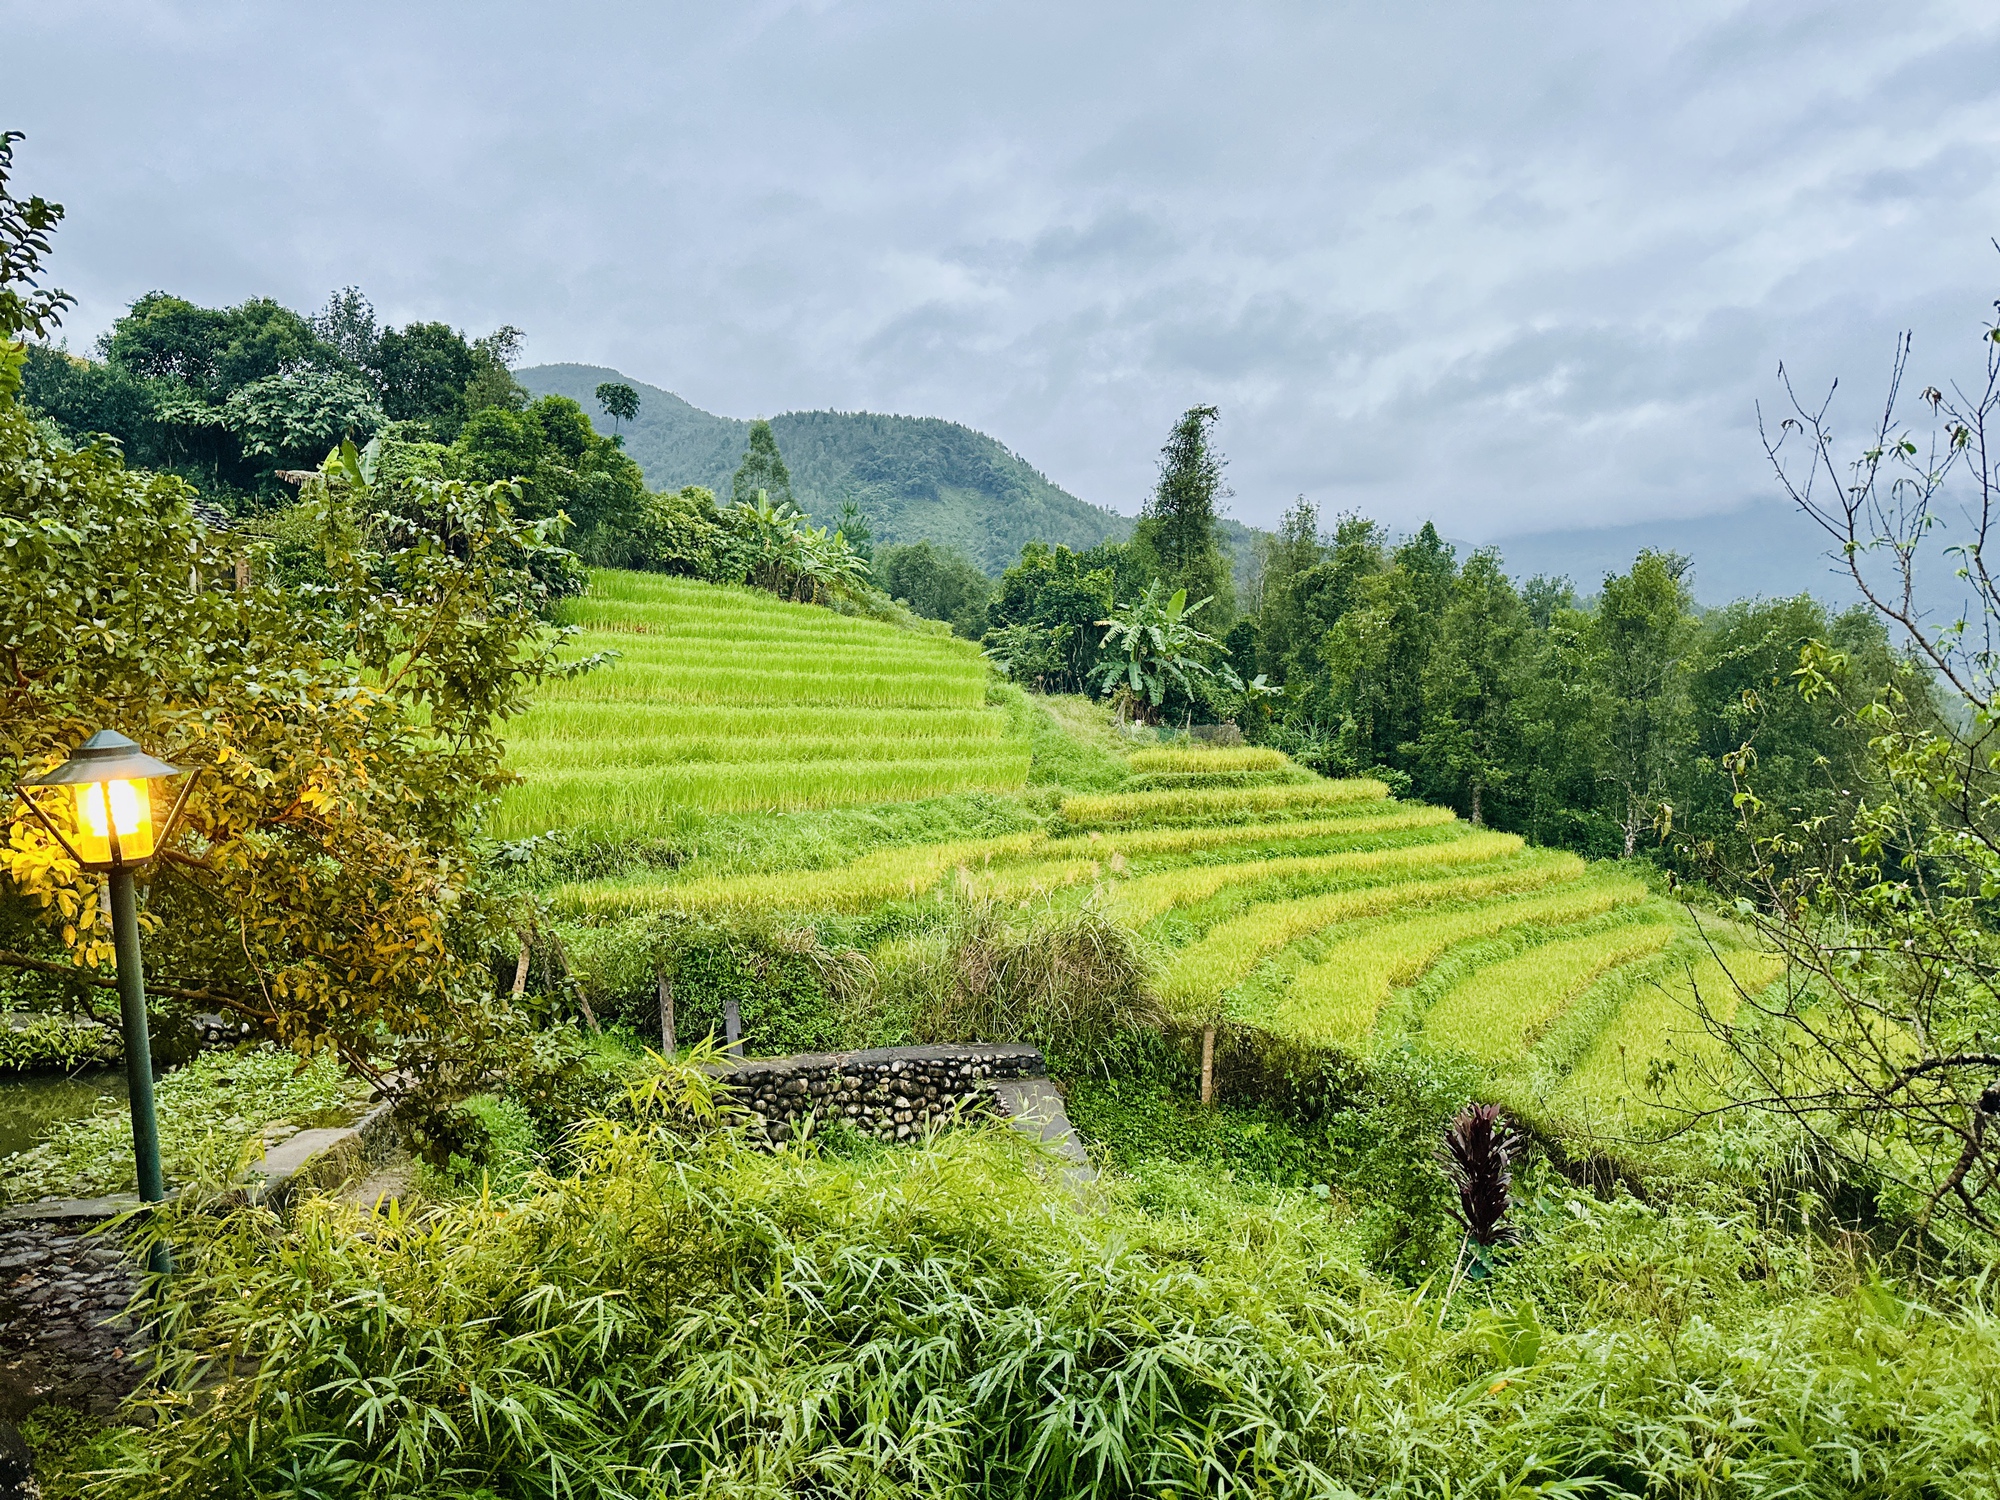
1512	269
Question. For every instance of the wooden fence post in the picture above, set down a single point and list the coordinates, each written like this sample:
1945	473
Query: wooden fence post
666	1015
1208	1065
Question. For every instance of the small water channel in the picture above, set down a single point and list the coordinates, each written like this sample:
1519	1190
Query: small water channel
33	1104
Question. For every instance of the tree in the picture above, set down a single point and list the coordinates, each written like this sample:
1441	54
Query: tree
422	371
1640	637
1470	742
289	421
1879	1043
855	528
347	325
762	471
1042	621
1177	533
26	307
620	402
560	463
1294	551
937	583
349	737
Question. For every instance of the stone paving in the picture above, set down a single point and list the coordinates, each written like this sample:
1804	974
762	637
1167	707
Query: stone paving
63	1334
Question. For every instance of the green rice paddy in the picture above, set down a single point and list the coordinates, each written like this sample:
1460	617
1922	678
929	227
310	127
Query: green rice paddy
728	700
1321	912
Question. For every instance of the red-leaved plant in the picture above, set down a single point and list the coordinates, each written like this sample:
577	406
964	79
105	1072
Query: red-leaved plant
1479	1151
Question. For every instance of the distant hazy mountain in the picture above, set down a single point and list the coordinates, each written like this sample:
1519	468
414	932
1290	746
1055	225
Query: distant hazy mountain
914	478
1766	550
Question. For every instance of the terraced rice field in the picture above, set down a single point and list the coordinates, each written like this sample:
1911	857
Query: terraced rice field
726	699
1326	913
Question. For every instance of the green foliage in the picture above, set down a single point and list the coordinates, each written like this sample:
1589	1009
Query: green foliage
936	583
856	532
499	1150
348	734
687	1313
49	1042
26	306
619	401
762	478
1177	537
1151	646
1043	621
794	992
211	1111
1068	979
560	464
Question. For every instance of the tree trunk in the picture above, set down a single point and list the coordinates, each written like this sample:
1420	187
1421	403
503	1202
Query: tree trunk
666	1016
1477	820
1208	1065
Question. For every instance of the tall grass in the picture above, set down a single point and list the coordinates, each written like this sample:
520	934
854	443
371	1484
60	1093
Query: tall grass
1336	1000
1228	952
1218	806
886	875
1496	1014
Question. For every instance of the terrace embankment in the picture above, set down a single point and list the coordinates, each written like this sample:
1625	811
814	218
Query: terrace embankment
890	1093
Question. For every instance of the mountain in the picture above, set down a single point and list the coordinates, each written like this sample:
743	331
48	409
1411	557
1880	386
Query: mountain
914	478
1762	550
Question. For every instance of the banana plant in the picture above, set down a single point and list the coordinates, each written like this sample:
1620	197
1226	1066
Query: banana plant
1156	643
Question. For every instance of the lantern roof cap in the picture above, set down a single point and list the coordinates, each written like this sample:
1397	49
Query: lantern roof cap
107	756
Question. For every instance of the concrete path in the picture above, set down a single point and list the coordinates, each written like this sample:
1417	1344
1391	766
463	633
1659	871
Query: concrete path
1033	1105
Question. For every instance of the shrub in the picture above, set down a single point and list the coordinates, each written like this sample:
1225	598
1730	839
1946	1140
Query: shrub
685	1315
53	1043
1066	980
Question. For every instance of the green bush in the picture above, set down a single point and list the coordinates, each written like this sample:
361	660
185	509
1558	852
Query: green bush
1068	979
794	993
501	1148
687	1315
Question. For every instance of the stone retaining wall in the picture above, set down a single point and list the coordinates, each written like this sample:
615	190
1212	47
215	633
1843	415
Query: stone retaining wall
889	1093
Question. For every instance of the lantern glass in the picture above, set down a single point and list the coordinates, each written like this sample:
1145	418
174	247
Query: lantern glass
121	807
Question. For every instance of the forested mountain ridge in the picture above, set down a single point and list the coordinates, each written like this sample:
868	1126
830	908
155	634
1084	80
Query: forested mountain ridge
914	478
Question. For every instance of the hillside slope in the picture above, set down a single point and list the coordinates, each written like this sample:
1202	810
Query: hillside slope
915	478
724	699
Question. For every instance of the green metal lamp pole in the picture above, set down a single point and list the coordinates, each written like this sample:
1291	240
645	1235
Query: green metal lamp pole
138	1045
113	835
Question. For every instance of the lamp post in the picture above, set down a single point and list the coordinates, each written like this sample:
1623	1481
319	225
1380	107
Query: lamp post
109	778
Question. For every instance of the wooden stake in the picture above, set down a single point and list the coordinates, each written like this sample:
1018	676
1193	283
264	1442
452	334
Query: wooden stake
1208	1065
521	969
666	1016
732	1026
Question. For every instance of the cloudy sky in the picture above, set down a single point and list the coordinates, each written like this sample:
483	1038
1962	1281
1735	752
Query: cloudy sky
1509	267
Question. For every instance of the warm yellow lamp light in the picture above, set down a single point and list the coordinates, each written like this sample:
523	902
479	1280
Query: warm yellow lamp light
129	814
110	780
